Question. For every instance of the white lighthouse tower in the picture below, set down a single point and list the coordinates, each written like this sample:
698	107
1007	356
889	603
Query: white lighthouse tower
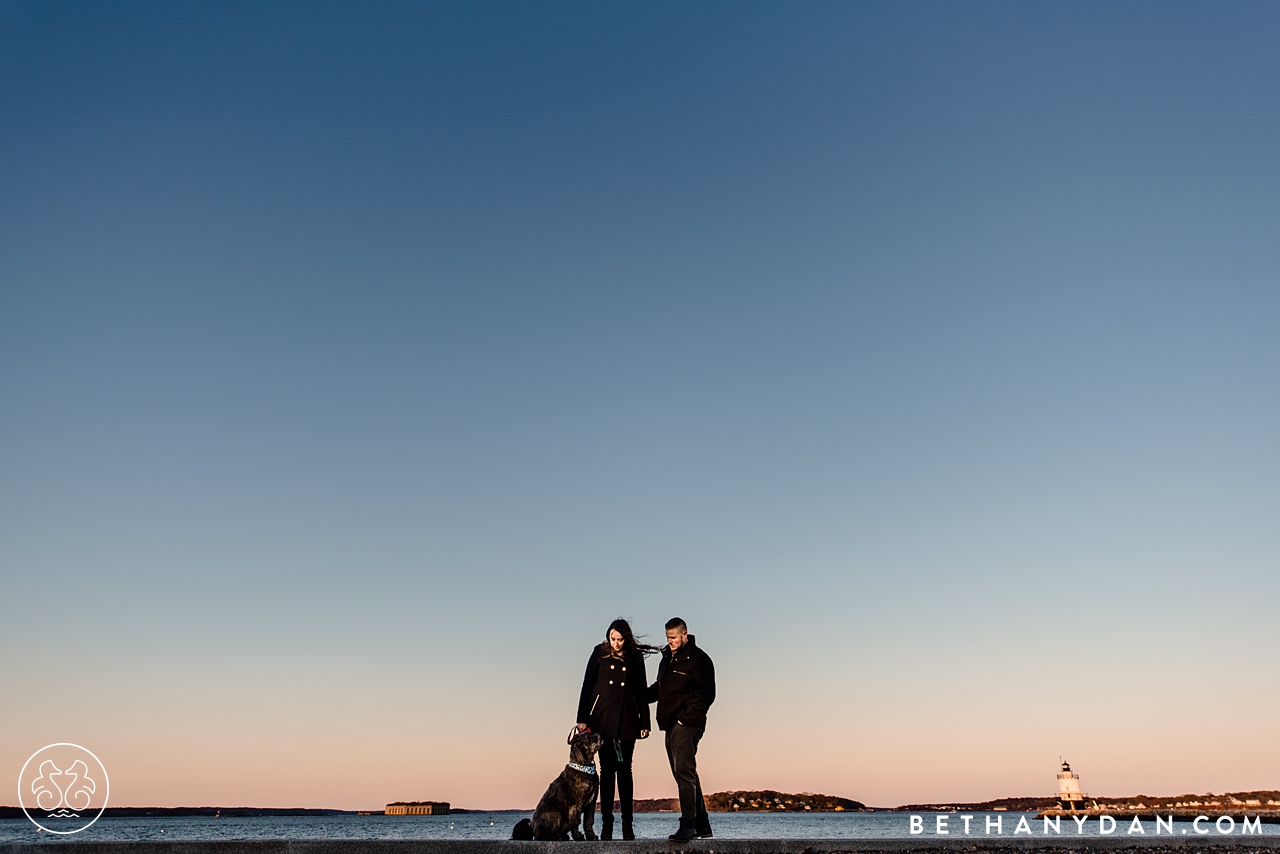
1069	795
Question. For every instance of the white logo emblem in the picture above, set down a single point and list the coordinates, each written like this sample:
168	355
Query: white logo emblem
63	788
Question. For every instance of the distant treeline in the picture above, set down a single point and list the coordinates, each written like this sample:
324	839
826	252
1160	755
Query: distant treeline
765	800
188	812
1231	801
1010	804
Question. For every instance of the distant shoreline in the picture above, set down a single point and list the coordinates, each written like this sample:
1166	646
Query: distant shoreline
196	812
1262	800
244	812
1265	802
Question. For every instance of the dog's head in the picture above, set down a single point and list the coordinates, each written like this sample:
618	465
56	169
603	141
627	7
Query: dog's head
583	747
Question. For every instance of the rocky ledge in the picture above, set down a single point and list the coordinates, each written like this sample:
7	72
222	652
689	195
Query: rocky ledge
1094	845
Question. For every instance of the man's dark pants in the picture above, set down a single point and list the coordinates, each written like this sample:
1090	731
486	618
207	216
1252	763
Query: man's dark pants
682	752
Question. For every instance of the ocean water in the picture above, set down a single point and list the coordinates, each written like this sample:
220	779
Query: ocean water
877	825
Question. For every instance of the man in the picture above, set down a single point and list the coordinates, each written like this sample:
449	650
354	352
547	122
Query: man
685	689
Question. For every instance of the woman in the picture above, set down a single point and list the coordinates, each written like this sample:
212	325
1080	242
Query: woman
613	704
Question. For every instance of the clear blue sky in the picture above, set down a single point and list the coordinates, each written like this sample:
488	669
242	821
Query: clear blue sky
360	362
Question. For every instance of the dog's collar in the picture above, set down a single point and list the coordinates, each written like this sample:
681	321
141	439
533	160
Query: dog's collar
585	769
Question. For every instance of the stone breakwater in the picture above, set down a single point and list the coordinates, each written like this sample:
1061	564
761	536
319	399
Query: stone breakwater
1237	845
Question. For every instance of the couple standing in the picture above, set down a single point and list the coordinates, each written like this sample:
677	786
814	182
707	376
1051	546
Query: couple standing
615	703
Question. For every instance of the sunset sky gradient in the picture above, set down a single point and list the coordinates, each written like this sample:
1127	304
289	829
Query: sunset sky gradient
360	362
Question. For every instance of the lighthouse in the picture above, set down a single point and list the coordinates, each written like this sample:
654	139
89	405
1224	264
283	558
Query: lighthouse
1069	795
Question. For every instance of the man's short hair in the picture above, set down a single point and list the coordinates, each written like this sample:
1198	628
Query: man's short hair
677	623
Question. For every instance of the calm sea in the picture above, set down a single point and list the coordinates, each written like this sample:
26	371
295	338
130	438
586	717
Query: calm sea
882	825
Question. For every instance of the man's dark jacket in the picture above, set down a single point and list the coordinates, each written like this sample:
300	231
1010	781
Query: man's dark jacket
686	686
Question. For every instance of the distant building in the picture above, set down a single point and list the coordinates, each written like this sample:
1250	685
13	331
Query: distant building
1069	795
417	808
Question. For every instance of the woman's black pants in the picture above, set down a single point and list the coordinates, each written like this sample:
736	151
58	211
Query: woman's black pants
612	767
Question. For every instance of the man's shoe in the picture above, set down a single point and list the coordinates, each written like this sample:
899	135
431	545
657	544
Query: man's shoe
704	834
684	834
606	833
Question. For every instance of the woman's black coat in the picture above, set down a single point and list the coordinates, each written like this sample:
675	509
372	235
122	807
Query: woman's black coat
613	695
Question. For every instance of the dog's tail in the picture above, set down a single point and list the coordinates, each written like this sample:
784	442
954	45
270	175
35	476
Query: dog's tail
522	830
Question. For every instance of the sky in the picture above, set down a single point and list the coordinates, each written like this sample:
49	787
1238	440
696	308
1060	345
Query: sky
359	363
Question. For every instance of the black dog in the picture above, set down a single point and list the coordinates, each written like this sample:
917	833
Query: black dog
570	797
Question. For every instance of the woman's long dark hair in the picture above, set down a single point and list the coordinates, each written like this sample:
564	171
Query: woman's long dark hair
631	648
